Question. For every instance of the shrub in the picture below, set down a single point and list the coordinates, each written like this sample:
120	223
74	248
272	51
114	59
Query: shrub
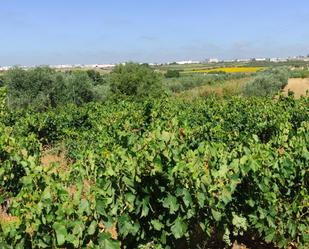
299	74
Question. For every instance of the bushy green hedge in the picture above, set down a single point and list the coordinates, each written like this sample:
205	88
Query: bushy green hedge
158	174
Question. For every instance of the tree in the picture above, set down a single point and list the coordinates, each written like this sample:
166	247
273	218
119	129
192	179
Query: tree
172	73
132	79
267	83
29	88
42	87
95	76
80	88
74	88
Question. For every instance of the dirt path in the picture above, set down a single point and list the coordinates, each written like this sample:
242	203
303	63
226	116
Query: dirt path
298	86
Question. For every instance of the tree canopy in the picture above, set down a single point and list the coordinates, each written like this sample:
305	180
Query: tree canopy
172	74
43	87
132	79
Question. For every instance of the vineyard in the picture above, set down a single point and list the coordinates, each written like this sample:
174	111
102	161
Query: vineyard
154	124
160	173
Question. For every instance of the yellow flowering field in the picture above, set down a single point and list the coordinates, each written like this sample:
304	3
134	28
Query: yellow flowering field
230	70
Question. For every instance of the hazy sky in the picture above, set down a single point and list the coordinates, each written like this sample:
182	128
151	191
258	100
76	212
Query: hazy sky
99	31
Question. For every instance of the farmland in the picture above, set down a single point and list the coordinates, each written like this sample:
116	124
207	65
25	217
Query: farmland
154	124
229	70
134	160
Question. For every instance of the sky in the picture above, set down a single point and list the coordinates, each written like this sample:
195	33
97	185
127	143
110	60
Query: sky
45	32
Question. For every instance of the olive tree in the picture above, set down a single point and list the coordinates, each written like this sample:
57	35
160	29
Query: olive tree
135	80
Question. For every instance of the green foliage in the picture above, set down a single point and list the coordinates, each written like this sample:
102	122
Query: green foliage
42	87
1	81
157	174
288	63
3	105
299	74
135	80
79	88
29	88
267	83
172	73
191	81
101	93
96	77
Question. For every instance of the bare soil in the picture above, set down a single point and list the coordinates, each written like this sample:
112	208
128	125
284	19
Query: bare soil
51	156
298	86
6	218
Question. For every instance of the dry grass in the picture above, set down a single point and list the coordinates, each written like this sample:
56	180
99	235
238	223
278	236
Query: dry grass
231	87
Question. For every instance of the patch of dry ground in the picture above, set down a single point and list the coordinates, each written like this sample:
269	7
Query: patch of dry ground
50	157
298	86
6	218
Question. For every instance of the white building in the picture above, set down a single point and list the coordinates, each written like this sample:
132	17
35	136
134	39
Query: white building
260	59
187	62
5	68
213	60
243	60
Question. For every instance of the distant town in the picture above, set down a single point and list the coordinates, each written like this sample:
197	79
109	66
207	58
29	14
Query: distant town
206	61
